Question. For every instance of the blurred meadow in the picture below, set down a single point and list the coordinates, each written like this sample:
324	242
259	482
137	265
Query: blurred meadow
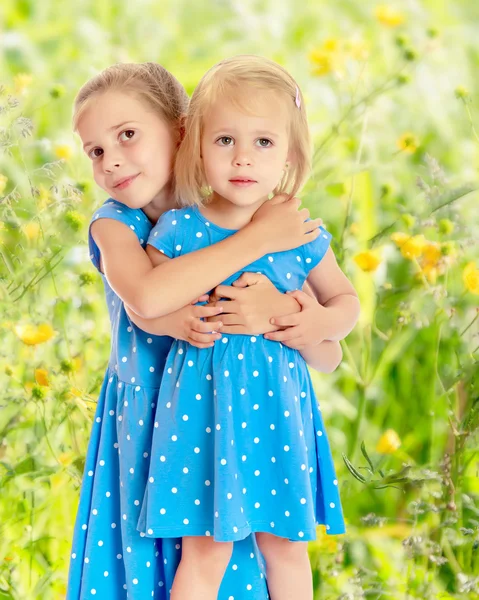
392	94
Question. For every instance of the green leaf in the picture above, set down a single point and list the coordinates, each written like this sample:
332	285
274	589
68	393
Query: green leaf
366	456
353	471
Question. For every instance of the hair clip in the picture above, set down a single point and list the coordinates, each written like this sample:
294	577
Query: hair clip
297	100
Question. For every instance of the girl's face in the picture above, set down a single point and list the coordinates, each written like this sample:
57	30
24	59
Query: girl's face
131	148
244	155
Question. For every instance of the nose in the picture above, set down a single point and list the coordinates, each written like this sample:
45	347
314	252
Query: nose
111	161
242	158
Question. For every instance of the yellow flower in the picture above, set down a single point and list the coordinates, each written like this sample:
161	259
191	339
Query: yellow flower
408	142
368	260
354	228
63	151
388	443
65	458
32	335
389	16
431	252
3	183
31	230
358	49
22	81
324	543
44	198
327	58
470	276
410	246
430	272
41	377
322	62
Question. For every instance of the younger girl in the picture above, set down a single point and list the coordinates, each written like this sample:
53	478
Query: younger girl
129	120
239	444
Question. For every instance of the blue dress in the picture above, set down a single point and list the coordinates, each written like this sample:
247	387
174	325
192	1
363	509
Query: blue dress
110	559
239	444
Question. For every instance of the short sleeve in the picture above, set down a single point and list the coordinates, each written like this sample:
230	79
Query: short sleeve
163	234
135	219
313	252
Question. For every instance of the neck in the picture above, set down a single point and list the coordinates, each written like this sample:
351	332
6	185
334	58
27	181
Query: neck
162	202
228	215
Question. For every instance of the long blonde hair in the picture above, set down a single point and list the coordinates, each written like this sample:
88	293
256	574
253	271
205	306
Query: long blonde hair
149	81
230	80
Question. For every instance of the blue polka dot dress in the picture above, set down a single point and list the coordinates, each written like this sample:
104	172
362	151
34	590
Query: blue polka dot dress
239	444
111	559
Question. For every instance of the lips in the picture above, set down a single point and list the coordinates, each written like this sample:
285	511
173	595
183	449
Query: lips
242	180
124	182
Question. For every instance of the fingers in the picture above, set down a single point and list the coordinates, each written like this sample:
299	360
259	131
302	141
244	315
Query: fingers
286	321
312	225
227	320
203	298
282	336
226	291
304	212
204	338
279	199
205	326
247	279
305	300
203	312
231	307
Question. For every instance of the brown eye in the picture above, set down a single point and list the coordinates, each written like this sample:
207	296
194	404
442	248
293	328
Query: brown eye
127	135
95	153
225	140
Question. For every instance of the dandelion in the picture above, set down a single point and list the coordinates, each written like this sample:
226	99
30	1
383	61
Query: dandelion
31	230
388	443
63	151
21	82
368	260
32	335
41	377
408	142
389	16
470	277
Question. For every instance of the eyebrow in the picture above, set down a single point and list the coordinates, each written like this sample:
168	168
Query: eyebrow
85	146
257	132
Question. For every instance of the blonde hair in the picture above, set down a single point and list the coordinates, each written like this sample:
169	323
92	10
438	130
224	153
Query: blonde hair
148	81
230	79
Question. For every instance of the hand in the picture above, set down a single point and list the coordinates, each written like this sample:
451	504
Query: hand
186	324
252	301
302	329
280	225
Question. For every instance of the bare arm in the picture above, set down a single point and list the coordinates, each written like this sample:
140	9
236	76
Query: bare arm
324	357
337	298
154	292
